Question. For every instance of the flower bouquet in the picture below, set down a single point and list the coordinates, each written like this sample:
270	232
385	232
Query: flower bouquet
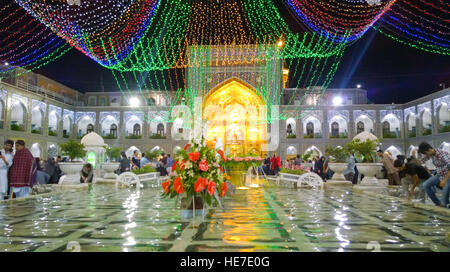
197	176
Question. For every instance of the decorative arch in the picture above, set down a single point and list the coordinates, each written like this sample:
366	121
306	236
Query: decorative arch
443	116
18	115
391	126
364	123
36	150
411	125
426	122
240	128
315	150
67	126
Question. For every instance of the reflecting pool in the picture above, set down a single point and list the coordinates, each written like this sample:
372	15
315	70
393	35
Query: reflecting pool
259	219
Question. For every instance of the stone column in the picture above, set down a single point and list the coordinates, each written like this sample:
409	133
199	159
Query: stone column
97	128
8	104
325	126
377	125
145	128
434	119
60	126
283	141
351	125
27	122
120	128
45	122
299	129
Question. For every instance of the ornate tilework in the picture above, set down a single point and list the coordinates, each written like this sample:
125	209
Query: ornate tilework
437	102
409	111
396	113
369	113
129	114
68	113
105	114
21	99
317	114
56	109
343	113
42	106
79	115
423	106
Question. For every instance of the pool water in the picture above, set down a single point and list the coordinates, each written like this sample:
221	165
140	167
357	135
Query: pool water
259	219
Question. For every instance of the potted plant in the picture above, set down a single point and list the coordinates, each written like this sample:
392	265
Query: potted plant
72	169
337	156
113	153
197	178
365	151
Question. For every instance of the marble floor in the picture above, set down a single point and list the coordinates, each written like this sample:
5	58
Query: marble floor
106	218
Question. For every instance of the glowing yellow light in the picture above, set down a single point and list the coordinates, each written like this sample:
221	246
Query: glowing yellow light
280	43
285	71
242	188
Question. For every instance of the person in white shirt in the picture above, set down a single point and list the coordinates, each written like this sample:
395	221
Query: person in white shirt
6	159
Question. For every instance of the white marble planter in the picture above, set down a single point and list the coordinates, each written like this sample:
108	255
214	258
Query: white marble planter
72	172
109	169
369	170
338	168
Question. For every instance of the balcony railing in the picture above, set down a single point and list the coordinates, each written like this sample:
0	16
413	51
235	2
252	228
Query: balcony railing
50	94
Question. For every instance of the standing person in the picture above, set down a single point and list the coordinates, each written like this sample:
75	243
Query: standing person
124	165
388	162
87	174
276	164
164	159
266	166
144	160
298	161
6	159
22	171
169	163
135	160
441	160
350	172
327	172
414	174
320	169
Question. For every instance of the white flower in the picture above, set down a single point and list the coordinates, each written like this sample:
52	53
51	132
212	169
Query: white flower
188	165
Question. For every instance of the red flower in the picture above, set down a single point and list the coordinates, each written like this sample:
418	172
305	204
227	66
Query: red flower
200	184
203	165
174	166
187	146
223	190
221	169
178	186
211	188
182	165
222	155
165	185
194	156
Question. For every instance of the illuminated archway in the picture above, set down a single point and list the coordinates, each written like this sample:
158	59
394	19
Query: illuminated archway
235	117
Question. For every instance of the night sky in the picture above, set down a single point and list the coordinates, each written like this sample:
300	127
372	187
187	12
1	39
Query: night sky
389	71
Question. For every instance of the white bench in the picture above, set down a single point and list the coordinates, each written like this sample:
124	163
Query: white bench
129	178
307	179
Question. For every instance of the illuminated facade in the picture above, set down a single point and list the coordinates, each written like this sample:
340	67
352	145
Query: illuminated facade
44	118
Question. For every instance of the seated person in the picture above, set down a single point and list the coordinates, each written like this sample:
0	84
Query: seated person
414	174
87	174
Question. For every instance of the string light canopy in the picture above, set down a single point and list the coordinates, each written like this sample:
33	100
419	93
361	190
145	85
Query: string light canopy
25	42
121	23
422	24
349	19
